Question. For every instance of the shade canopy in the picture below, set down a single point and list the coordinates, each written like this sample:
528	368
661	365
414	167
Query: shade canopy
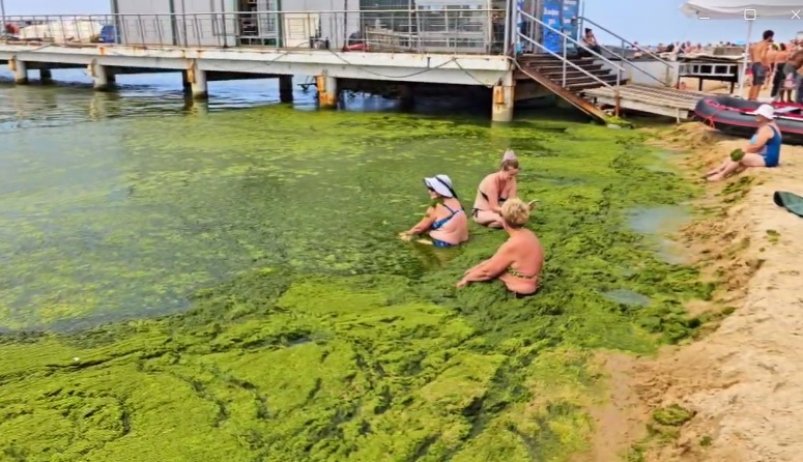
735	9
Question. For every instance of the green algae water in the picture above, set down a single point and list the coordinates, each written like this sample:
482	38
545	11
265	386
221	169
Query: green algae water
228	286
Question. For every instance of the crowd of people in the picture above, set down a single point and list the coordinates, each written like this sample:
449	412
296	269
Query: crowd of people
518	262
777	67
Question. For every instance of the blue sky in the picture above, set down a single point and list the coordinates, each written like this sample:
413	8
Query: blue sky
647	21
654	21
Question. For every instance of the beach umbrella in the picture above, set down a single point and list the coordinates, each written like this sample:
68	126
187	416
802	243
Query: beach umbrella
748	11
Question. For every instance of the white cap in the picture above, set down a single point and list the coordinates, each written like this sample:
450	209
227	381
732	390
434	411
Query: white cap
765	110
441	184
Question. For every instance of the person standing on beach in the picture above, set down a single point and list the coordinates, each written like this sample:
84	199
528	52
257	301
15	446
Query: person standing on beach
759	57
786	77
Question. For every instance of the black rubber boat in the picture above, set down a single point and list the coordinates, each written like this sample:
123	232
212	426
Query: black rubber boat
731	115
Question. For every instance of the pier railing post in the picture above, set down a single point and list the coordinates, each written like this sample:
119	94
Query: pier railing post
77	25
564	62
506	39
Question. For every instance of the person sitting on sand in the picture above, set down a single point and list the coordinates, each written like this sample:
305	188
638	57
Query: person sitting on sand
445	220
518	261
763	150
494	190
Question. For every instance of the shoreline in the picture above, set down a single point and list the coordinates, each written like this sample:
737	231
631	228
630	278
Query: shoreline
737	386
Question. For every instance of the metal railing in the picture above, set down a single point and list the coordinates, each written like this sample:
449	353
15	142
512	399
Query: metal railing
457	31
623	43
564	57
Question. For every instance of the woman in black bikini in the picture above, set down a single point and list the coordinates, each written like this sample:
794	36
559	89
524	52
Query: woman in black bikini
494	190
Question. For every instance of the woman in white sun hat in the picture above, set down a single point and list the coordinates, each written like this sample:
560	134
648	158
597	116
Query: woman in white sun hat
763	150
445	221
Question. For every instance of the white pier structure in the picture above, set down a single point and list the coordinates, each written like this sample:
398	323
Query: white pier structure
426	46
512	49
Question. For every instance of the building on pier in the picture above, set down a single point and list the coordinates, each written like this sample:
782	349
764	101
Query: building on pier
513	51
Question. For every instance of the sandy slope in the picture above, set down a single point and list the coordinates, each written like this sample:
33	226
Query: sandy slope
744	380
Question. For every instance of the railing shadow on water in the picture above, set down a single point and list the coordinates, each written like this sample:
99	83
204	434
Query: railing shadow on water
453	31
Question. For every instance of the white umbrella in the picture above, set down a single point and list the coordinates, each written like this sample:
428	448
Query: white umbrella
744	10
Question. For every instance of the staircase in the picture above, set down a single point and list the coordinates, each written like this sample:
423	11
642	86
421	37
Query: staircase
568	80
598	80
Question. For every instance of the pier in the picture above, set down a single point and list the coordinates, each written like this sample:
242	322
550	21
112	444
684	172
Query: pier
498	46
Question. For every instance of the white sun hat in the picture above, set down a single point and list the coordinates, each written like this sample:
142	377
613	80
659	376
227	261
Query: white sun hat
441	184
766	111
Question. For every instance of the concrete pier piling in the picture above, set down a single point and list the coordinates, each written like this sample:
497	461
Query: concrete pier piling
45	75
503	102
185	82
103	80
406	97
198	83
286	88
327	91
20	70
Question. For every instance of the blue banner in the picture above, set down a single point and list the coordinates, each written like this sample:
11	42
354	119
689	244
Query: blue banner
571	11
552	16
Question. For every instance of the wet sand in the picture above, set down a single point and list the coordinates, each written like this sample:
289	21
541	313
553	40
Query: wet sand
742	378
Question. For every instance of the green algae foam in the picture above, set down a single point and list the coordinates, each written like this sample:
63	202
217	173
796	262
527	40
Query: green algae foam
229	287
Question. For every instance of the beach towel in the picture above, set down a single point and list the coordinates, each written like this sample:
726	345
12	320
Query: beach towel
789	201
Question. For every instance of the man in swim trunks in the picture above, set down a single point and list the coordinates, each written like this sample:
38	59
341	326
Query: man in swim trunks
760	67
445	221
519	261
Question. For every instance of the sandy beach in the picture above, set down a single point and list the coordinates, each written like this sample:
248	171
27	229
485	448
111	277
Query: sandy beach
741	378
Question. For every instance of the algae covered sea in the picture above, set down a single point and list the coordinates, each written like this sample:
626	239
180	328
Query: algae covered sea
226	285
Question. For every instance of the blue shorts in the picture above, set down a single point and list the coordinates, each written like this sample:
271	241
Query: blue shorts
441	244
759	73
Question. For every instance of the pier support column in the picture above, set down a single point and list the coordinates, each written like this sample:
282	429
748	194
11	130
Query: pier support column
20	70
185	82
503	102
198	85
327	91
406	97
101	76
45	75
286	88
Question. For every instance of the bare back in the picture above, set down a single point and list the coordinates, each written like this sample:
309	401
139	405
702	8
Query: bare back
455	229
759	53
528	261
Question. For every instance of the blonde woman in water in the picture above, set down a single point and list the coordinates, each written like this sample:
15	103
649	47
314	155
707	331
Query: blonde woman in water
519	261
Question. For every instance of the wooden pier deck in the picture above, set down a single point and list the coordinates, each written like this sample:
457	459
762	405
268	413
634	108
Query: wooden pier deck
668	102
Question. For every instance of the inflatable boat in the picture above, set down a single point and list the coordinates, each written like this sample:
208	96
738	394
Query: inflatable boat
732	115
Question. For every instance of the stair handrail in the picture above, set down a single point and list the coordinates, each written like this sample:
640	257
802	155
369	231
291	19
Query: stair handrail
625	41
633	66
564	58
565	62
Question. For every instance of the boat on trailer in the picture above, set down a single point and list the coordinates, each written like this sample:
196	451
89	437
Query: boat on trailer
732	116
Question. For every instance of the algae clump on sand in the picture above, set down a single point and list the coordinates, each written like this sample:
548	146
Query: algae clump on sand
340	345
